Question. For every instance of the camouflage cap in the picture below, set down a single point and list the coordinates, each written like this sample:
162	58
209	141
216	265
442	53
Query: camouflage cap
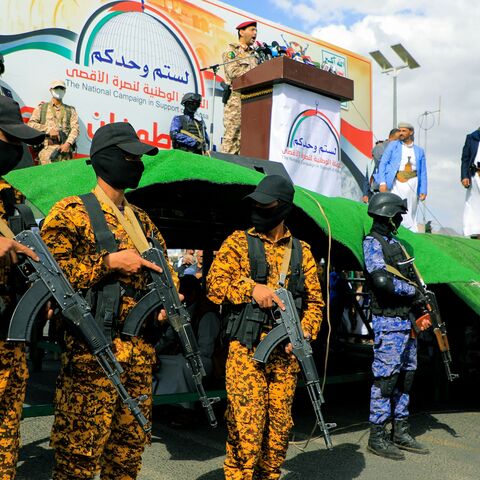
57	83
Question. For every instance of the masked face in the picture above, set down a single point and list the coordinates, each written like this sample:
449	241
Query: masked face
119	169
395	222
191	107
10	156
266	219
58	92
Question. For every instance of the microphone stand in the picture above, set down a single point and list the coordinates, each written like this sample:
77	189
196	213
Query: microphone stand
215	67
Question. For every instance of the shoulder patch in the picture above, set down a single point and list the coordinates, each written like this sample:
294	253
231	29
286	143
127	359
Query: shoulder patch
231	55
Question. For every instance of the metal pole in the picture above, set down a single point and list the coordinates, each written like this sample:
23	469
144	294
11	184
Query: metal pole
394	99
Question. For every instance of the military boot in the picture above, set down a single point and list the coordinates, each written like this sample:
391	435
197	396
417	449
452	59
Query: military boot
402	438
380	444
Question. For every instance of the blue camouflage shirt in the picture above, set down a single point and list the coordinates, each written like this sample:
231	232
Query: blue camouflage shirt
183	139
374	260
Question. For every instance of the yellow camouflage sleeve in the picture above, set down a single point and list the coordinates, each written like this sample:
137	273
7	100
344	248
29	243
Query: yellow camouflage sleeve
312	312
61	231
227	279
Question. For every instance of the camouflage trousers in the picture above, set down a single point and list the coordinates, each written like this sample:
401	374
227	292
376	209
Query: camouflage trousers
45	153
13	381
259	413
232	114
394	354
93	431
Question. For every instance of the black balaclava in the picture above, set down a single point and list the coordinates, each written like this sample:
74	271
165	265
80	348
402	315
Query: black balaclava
189	108
110	165
10	156
387	226
266	219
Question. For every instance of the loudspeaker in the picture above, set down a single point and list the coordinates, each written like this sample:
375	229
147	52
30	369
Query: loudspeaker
267	167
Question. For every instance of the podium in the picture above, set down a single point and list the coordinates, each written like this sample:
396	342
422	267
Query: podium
256	88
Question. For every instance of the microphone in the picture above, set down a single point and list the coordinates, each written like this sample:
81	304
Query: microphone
263	51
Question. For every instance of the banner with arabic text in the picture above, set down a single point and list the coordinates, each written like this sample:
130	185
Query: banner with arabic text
305	138
133	60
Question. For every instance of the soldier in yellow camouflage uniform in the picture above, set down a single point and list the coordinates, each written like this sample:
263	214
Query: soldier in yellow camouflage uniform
93	430
240	57
56	119
13	365
260	397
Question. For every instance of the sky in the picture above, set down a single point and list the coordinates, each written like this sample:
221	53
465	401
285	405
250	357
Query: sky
442	36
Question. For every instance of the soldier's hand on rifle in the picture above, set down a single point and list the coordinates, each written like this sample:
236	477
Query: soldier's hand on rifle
424	322
128	262
289	347
162	314
65	147
266	297
10	248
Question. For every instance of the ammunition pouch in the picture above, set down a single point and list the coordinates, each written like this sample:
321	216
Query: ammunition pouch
245	324
227	91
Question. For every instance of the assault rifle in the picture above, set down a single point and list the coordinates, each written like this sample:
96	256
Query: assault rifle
62	138
48	281
288	328
430	306
163	294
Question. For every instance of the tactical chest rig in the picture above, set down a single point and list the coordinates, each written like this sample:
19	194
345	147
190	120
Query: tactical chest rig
391	305
246	321
104	297
195	129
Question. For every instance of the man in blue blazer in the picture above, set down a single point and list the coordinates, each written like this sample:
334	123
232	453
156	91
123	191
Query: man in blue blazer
403	171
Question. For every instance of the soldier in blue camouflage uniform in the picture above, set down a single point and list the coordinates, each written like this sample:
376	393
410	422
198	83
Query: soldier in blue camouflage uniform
394	296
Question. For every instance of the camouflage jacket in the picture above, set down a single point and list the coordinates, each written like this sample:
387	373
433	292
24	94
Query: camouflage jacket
246	61
7	297
69	236
228	279
56	118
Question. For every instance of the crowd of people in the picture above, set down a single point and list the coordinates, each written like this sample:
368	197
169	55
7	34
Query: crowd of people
97	240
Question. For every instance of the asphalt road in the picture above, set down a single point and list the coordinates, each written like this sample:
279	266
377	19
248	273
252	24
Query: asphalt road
451	430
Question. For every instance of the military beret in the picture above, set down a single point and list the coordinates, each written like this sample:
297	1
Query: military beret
251	23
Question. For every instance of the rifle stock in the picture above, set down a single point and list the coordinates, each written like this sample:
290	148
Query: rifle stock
48	281
163	294
288	328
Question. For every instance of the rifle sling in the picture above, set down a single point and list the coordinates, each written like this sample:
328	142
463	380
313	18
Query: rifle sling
129	221
191	135
5	229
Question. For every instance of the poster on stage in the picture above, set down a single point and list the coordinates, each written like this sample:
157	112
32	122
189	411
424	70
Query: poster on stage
305	137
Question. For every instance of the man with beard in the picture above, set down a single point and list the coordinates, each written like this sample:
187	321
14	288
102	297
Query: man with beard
244	275
187	132
95	240
13	365
403	171
239	59
394	298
